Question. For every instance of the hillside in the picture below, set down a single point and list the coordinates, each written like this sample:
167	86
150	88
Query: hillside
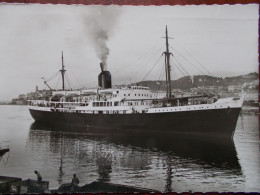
186	83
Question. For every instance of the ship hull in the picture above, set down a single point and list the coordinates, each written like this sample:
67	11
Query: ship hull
218	122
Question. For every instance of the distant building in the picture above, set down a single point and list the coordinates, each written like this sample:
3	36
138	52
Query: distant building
234	88
254	84
248	76
39	94
251	96
19	101
22	96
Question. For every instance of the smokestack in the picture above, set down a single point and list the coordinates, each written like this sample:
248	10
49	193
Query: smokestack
104	78
101	66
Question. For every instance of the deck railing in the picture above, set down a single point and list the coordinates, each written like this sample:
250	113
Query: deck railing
45	103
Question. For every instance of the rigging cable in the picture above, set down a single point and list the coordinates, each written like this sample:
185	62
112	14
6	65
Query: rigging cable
76	78
68	81
147	63
57	82
160	75
188	60
150	70
158	71
152	67
142	57
173	75
195	59
162	72
174	81
135	75
181	67
49	79
52	77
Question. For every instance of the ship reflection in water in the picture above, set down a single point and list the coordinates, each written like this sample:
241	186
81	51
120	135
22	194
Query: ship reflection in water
161	162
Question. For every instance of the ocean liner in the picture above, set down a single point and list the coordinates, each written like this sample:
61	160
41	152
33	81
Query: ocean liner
135	107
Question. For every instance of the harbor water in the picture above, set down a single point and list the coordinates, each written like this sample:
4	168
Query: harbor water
162	162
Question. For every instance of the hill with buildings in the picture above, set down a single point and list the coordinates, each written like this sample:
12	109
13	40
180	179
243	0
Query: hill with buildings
228	86
189	82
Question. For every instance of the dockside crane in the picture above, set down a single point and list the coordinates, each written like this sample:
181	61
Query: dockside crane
45	82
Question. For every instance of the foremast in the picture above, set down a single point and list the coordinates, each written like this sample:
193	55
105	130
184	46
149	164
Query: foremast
63	72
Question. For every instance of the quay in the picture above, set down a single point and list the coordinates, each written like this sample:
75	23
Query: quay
19	186
9	184
3	151
250	110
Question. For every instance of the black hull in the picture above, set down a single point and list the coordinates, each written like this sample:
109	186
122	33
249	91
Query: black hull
219	122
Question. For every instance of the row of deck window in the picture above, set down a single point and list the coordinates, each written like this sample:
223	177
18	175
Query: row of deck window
103	112
116	103
101	104
146	95
137	103
140	88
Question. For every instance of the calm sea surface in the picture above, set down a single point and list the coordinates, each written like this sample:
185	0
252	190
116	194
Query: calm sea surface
164	162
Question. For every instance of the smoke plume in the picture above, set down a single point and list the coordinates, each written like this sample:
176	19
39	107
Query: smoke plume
100	23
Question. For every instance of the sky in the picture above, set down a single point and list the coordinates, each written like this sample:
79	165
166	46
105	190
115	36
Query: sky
220	40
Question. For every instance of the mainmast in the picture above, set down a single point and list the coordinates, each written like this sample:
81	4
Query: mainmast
62	72
167	68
